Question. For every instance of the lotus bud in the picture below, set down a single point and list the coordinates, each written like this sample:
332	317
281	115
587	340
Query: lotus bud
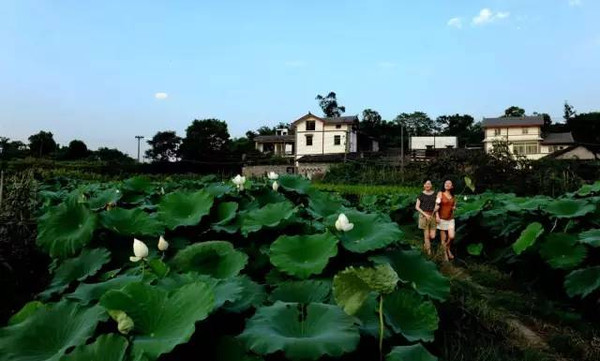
239	182
124	323
273	176
162	190
140	250
162	244
466	198
275	186
343	224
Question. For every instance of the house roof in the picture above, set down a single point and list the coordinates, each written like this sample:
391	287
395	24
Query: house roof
558	138
512	121
334	120
275	138
592	148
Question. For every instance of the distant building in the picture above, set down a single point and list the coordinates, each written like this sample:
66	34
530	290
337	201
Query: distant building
316	135
578	152
433	142
524	136
282	144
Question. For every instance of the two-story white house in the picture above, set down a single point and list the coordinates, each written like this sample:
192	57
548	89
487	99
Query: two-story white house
524	136
316	135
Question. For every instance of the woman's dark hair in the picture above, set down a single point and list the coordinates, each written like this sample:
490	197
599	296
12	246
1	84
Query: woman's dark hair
427	180
453	187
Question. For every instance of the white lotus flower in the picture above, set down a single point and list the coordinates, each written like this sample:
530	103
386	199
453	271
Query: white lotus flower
140	250
273	175
343	224
466	198
239	182
162	244
275	186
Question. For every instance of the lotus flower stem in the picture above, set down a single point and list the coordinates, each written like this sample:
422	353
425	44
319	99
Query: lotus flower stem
381	327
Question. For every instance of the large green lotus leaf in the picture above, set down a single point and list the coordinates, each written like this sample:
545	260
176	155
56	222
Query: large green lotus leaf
352	286
225	213
227	290
294	183
184	208
415	270
26	311
267	196
528	237
368	315
569	208
303	255
101	199
269	216
525	204
466	210
410	353
475	249
65	229
47	333
252	295
214	258
218	190
110	347
590	237
78	268
131	222
561	250
88	292
582	282
139	184
321	204
406	312
161	320
231	227
370	232
301	332
588	189
305	292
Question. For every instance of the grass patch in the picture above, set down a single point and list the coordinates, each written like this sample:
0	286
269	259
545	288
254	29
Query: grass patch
362	190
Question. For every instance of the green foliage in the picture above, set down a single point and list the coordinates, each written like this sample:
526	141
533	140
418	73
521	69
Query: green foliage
528	237
269	216
561	250
301	332
184	208
25	312
475	249
414	352
108	347
65	229
408	314
569	208
131	222
214	258
582	282
305	292
590	237
370	232
303	256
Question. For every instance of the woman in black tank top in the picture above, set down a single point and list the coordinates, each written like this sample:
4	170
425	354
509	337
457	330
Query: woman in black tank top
425	206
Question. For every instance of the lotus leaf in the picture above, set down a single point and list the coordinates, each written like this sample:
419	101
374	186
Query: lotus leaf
590	237
26	311
569	208
214	258
68	324
65	229
110	347
162	320
368	315
301	332
251	295
352	286
409	314
582	282
225	213
184	208
78	268
131	222
88	292
589	189
140	184
370	232
561	250
294	183
305	292
225	290
410	353
475	249
421	274
528	237
268	216
321	204
105	197
304	255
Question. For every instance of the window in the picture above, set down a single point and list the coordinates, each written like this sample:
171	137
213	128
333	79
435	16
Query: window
309	139
337	139
525	148
310	125
338	126
532	148
525	130
496	132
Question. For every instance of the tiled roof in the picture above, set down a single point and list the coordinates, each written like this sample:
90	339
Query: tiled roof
512	121
275	138
558	138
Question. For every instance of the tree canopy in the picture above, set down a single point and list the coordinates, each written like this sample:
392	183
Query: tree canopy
164	146
42	144
514	111
204	139
77	149
330	106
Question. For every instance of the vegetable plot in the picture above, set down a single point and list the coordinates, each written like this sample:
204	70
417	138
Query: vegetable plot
145	270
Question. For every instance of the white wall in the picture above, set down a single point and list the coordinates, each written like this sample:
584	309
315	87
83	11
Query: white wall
439	142
323	138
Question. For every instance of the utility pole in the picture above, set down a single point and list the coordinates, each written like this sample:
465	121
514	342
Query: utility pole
139	138
402	151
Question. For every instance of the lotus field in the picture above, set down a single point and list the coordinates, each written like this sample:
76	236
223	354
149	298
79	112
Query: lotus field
270	269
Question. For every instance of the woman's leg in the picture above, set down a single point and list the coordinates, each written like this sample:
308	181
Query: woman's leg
427	242
444	244
451	234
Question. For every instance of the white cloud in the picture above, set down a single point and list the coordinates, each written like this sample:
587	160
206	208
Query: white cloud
455	22
295	63
487	16
575	3
161	96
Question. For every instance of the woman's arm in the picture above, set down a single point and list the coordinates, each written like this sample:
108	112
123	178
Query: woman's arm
418	208
438	204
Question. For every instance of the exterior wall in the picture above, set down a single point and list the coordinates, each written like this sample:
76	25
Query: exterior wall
514	135
262	170
310	169
323	138
580	153
434	142
548	149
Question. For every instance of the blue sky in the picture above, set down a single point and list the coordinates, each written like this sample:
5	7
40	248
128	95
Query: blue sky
92	69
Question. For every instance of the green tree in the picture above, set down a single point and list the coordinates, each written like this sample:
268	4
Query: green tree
76	150
42	144
417	124
372	124
330	106
514	111
205	139
463	127
569	112
585	128
12	149
111	155
164	146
